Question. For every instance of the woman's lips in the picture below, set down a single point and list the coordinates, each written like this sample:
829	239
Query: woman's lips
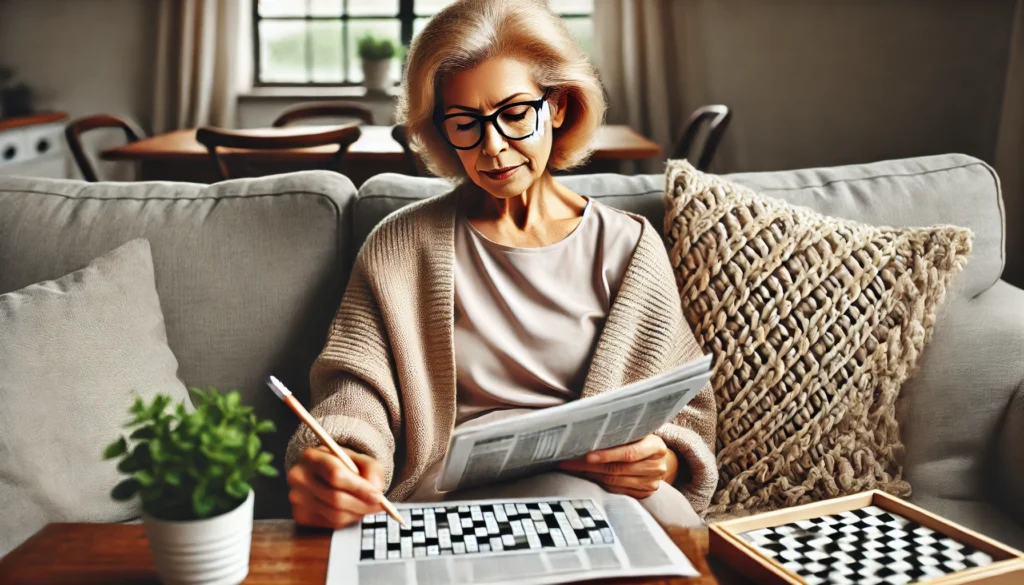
502	174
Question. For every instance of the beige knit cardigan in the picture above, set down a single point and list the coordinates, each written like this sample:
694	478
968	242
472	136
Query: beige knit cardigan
384	383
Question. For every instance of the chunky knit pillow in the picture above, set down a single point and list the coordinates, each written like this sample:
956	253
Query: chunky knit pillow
814	323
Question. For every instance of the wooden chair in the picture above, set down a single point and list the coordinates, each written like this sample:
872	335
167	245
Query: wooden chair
73	134
717	117
214	138
324	110
414	166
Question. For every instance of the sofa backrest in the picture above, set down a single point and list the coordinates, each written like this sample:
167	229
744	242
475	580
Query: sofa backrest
249	272
951	189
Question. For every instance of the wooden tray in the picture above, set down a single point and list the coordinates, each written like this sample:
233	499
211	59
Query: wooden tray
1007	565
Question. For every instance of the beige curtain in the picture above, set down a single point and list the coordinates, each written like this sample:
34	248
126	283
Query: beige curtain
1010	153
649	55
197	63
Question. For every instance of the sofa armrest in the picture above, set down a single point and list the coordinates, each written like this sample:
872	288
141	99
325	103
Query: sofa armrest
1009	461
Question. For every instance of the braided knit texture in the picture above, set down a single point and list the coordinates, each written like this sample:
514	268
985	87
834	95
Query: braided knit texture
814	323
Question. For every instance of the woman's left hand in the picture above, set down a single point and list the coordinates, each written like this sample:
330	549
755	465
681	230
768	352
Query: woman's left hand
636	469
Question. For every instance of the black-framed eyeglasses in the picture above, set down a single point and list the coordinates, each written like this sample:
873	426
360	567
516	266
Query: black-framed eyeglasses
465	130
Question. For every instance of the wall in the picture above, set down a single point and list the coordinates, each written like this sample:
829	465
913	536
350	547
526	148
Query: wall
810	83
84	57
845	81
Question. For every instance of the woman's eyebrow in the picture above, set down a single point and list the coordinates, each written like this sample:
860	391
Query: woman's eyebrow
497	105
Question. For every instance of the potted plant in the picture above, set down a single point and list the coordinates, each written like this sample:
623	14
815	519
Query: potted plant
376	53
192	471
15	98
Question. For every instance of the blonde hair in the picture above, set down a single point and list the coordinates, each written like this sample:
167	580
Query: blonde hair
469	32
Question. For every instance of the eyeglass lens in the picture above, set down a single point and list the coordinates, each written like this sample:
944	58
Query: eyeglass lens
514	122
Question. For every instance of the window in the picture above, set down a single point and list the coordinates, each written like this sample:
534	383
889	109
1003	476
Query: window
313	42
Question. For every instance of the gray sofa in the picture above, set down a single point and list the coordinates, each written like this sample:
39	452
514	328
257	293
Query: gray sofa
249	273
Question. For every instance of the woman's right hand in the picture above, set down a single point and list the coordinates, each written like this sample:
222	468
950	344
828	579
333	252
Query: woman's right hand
325	493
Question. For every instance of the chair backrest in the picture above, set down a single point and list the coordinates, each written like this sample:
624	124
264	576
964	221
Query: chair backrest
280	139
324	110
717	117
414	165
73	134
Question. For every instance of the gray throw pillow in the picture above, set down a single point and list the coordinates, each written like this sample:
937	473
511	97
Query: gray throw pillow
73	354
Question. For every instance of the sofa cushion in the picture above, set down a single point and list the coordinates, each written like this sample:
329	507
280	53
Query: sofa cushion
249	272
815	323
73	354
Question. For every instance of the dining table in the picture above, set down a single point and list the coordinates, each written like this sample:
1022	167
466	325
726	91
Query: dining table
178	156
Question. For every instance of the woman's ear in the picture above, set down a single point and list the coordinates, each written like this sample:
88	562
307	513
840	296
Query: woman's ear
558	104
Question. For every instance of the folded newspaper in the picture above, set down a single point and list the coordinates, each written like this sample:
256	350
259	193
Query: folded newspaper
537	441
534	541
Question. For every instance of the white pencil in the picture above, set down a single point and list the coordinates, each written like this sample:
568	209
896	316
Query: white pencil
286	396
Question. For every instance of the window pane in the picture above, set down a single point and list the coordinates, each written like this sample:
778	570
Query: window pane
572	6
583	28
327	58
283	51
417	26
282	7
428	7
389	28
325	7
373	7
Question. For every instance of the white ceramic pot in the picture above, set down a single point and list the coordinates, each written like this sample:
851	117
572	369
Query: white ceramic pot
377	74
212	551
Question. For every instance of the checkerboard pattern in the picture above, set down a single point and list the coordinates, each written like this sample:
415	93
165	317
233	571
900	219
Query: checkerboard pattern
485	528
869	546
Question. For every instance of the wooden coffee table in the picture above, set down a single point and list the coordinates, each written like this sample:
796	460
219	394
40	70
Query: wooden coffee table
281	553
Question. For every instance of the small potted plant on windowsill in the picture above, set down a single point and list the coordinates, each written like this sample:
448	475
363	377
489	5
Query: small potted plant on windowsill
376	53
192	472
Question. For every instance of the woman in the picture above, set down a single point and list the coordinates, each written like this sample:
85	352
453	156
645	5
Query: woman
507	294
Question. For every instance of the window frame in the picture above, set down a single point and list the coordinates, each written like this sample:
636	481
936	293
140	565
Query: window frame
406	17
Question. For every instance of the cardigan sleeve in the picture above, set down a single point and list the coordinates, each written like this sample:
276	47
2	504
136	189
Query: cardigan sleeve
692	434
352	384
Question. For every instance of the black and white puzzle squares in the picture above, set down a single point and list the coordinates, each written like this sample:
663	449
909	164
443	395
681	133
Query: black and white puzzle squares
482	528
868	546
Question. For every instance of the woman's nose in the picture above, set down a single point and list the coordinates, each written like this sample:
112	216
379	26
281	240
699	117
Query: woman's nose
493	142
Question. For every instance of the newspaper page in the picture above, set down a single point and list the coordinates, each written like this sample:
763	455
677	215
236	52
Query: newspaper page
537	441
535	541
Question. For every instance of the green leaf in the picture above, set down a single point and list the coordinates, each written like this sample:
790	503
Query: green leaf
129	464
156	450
233	400
144	478
202	505
125	490
172	478
267	470
264	459
116	449
253	446
143	433
199	393
265	426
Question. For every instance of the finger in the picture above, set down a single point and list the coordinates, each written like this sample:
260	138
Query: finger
370	469
310	517
331	470
302	479
640	484
635	451
651	466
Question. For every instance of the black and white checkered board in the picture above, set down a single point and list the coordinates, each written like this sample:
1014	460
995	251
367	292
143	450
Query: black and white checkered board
483	528
869	546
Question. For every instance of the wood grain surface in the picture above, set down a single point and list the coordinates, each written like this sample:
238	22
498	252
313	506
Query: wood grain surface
282	553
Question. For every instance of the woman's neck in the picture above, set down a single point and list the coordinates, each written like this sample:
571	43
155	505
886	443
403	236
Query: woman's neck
546	200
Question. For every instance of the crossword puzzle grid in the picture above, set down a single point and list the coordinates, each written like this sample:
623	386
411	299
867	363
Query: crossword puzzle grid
868	546
474	529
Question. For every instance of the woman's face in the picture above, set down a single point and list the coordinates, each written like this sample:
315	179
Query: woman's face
502	167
